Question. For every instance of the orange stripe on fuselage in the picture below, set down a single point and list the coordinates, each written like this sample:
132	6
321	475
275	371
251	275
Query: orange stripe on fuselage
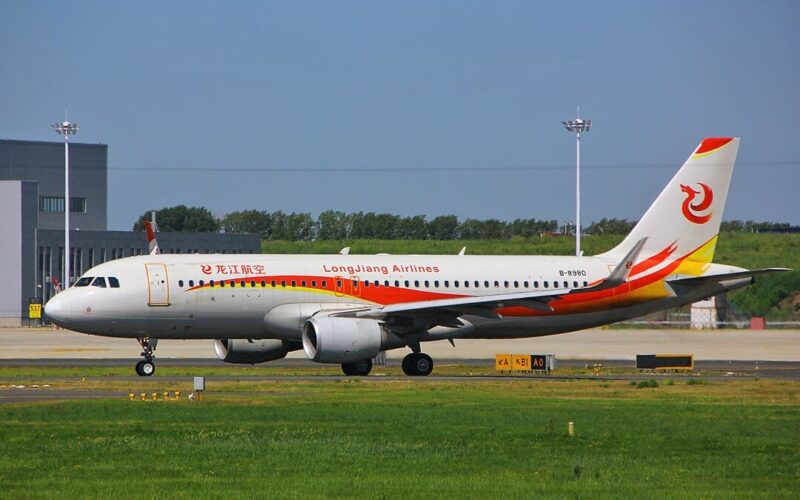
639	289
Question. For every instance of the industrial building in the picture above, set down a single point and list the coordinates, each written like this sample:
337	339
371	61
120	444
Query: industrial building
32	203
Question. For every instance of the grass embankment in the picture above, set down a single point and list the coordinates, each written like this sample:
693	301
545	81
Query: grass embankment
771	296
414	439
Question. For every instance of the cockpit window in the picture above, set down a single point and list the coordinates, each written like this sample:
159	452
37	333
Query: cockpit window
101	282
113	282
84	281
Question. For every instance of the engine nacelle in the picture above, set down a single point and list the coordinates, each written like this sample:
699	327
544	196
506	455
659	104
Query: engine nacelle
286	320
247	351
330	339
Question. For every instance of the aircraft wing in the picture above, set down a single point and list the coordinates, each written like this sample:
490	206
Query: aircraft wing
478	305
450	309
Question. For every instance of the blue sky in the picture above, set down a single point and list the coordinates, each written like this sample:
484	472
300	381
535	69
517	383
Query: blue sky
431	107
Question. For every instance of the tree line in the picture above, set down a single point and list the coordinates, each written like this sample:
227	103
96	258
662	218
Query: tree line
336	225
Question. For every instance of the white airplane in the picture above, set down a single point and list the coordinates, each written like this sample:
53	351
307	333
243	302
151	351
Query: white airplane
345	309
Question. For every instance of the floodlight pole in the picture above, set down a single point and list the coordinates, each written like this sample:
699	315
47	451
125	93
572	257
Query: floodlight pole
66	129
577	126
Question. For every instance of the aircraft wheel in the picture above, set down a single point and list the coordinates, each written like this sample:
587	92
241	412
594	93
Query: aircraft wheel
358	368
363	367
145	368
417	365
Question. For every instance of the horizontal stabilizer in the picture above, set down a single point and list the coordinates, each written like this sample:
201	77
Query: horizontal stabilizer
716	278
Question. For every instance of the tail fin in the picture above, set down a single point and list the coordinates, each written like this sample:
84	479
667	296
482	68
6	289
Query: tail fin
684	220
151	237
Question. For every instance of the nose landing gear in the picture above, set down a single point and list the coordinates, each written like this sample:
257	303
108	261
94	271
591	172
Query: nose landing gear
146	367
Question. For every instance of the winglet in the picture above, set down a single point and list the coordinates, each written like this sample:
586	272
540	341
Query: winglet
345	251
620	273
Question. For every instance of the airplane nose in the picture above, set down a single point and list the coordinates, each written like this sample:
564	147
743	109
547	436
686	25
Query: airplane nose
55	310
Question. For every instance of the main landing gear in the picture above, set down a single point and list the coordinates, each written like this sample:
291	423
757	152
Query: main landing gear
359	368
146	367
417	364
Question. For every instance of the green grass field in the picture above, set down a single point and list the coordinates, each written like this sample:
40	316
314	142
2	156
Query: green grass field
413	439
775	296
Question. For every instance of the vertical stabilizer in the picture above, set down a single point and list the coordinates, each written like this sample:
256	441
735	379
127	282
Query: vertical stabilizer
685	218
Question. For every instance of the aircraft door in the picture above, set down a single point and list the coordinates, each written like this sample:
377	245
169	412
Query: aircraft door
157	285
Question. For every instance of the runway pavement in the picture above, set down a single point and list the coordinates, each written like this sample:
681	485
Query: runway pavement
719	355
597	344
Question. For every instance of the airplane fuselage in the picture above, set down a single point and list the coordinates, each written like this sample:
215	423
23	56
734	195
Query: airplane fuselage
241	296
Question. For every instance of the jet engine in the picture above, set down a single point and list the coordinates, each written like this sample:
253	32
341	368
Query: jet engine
250	351
330	339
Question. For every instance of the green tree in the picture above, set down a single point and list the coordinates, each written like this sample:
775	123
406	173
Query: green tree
332	225
412	228
610	226
181	218
247	221
443	227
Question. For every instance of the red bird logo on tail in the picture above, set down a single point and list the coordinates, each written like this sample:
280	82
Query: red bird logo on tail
691	210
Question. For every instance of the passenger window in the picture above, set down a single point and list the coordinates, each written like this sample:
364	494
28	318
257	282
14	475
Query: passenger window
546	284
113	282
366	283
396	284
243	283
466	284
516	284
525	284
294	283
272	283
263	284
497	284
477	284
283	283
566	284
386	283
535	284
84	281
201	282
416	284
253	284
313	283
180	283
427	284
455	283
377	283
324	284
575	284
446	284
585	284
505	284
406	283
355	283
303	283
436	283
486	284
211	283
191	283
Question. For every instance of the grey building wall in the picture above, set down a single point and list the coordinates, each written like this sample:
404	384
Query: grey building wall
44	162
17	246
